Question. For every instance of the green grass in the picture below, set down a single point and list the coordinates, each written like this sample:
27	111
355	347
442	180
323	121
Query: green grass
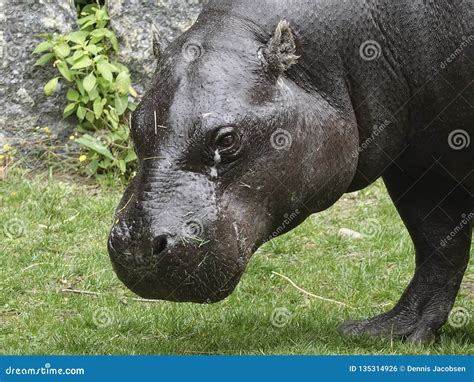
62	228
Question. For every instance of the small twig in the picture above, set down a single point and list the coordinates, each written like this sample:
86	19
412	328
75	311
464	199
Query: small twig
309	293
153	158
138	299
79	291
30	266
89	293
126	204
71	218
95	273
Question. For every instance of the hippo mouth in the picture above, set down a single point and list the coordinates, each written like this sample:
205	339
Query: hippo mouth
180	270
180	288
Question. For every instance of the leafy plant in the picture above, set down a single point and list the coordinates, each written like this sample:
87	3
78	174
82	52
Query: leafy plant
100	91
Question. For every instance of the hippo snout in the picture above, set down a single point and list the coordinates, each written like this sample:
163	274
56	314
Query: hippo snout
169	264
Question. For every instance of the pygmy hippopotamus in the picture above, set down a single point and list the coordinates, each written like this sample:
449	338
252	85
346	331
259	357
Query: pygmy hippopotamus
263	108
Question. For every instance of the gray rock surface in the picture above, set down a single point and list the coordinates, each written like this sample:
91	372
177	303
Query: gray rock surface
135	22
23	104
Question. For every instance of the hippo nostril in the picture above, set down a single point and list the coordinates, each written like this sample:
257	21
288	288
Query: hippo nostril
159	244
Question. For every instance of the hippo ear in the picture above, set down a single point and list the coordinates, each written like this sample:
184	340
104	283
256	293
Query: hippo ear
280	51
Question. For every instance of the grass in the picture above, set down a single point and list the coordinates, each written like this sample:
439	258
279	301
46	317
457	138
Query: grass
53	234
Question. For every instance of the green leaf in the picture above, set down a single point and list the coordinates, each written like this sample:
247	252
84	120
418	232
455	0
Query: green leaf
114	42
133	92
81	112
94	49
122	166
80	87
44	59
100	14
89	82
83	62
131	156
64	70
100	32
72	95
93	94
90	117
105	70
42	47
123	83
79	37
112	116
121	104
62	50
88	9
98	107
69	109
51	86
94	144
78	54
86	19
87	24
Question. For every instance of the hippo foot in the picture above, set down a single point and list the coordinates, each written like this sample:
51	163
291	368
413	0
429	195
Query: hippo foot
402	325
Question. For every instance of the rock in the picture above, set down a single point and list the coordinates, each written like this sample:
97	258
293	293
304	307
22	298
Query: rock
24	106
135	22
350	234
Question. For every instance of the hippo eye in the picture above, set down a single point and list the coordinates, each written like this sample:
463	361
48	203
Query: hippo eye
227	140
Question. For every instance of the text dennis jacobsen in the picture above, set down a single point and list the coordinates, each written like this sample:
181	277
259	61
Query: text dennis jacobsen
409	369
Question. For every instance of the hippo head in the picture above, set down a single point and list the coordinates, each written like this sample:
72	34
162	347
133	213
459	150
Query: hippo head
233	151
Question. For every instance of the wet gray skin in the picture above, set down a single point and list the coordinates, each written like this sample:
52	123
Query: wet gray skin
269	109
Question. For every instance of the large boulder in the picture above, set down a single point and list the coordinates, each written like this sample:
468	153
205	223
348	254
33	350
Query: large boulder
24	105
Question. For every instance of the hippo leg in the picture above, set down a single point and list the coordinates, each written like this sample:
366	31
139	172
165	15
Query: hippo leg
433	208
